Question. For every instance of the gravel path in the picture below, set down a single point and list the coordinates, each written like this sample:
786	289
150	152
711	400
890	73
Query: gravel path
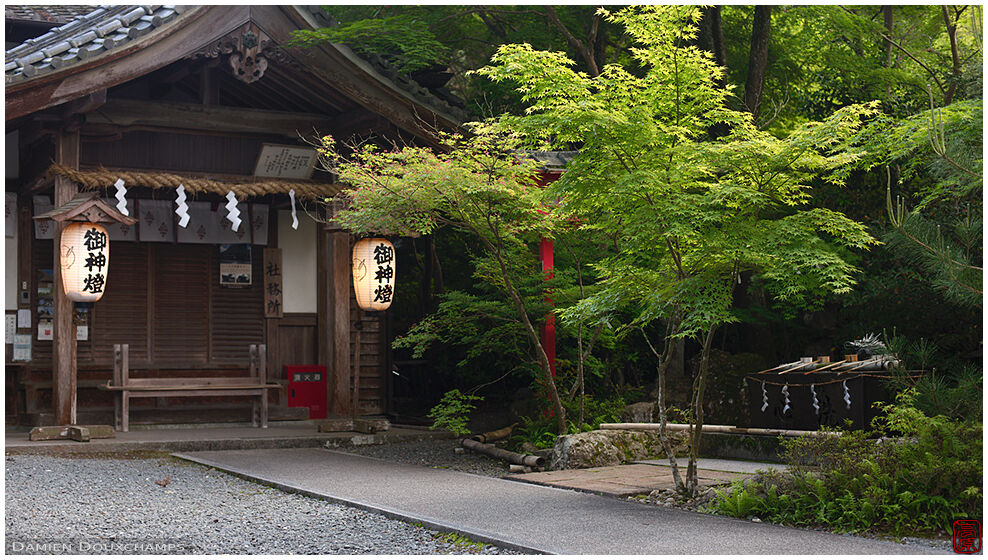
164	505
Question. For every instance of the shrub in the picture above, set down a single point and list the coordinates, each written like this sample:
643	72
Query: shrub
452	412
922	473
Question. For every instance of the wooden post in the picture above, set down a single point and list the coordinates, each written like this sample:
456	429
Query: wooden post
340	294
63	339
262	362
117	381
333	278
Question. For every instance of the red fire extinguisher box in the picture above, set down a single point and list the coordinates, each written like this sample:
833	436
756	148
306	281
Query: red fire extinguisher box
307	387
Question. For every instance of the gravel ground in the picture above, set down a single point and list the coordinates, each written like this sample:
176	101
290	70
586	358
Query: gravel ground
163	505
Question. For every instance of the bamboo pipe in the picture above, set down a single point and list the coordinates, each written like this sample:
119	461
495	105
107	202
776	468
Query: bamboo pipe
496	435
504	455
716	429
826	366
800	366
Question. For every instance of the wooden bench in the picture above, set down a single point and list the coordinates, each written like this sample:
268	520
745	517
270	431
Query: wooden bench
255	385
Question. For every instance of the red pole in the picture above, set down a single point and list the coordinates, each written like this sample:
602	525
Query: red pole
549	326
545	255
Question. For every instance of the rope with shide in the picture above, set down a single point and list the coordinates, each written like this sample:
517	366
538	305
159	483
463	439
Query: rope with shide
104	179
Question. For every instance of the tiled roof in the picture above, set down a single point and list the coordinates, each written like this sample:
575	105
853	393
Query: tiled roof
48	14
85	36
553	160
110	27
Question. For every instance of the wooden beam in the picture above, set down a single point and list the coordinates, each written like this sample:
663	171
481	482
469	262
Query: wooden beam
63	340
128	112
325	98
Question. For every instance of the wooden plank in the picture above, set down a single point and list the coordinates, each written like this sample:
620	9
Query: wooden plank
272	283
63	341
189	116
153	383
272	326
159	392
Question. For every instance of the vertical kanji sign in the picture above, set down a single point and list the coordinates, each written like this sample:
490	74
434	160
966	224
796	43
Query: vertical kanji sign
374	273
273	289
85	261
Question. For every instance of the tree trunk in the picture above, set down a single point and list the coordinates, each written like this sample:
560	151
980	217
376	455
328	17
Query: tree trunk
889	17
663	369
585	49
437	267
696	422
948	97
757	59
711	39
711	36
533	336
579	372
427	268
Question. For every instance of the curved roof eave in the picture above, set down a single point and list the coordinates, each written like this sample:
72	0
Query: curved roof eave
49	70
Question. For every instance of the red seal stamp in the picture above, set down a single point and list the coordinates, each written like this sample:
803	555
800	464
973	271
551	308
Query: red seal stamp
967	536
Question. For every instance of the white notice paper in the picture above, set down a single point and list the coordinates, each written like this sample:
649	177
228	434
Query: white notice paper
82	332
24	318
45	329
22	348
11	328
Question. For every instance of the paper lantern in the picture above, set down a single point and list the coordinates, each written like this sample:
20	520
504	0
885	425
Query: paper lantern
374	273
85	260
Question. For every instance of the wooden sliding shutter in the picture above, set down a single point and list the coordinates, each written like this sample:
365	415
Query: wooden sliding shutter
180	320
165	301
121	315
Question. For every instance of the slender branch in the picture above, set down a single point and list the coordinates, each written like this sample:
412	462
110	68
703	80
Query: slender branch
584	51
907	53
676	259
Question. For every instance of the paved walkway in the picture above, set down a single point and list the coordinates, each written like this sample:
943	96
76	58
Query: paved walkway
642	477
622	480
524	516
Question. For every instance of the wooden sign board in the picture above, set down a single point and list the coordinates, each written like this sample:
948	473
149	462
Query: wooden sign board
285	162
273	287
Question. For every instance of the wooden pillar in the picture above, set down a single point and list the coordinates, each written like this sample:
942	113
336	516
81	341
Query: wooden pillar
333	316
63	339
340	293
